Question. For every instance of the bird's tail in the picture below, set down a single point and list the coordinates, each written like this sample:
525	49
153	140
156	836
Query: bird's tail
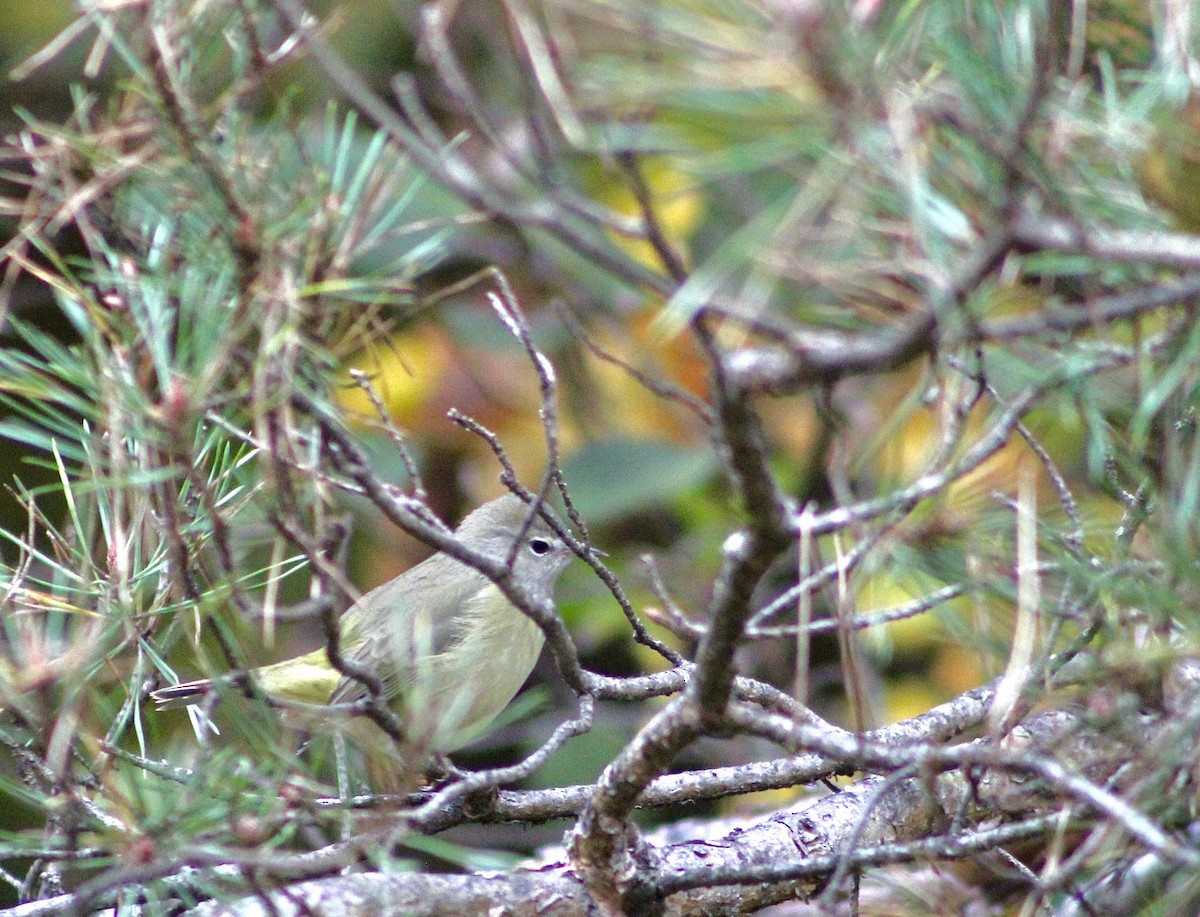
181	695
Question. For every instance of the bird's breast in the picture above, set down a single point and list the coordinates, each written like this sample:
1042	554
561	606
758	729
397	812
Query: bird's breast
480	673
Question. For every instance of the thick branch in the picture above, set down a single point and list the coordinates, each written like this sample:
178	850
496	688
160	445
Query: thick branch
880	819
1106	243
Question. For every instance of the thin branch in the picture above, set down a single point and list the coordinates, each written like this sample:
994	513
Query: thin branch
652	226
1103	310
397	437
664	390
864	620
803	358
441	804
1106	243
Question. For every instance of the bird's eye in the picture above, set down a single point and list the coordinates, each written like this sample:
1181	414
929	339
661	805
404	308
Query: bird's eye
539	546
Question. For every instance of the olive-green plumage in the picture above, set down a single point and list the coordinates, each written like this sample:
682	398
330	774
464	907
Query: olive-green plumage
448	648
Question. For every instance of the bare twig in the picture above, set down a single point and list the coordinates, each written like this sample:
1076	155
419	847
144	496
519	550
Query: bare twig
394	433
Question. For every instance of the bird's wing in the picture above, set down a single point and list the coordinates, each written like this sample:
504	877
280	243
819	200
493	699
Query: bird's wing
413	618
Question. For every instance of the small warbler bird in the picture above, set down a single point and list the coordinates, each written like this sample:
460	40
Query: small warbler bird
449	650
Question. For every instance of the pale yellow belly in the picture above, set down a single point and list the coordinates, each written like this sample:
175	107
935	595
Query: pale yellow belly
487	670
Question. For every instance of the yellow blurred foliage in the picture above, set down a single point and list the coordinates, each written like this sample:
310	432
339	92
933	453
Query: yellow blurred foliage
905	458
1170	168
419	376
956	669
629	406
906	454
678	207
881	590
953	669
973	492
524	440
909	696
792	425
405	371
